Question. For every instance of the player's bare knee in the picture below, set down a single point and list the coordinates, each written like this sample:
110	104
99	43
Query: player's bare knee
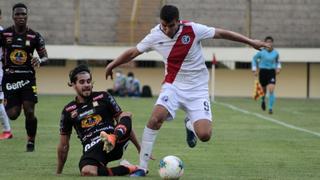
204	136
13	116
88	172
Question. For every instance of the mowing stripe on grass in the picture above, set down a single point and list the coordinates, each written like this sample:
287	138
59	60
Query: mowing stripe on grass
268	119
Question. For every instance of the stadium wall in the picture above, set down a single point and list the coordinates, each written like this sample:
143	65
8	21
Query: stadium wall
292	82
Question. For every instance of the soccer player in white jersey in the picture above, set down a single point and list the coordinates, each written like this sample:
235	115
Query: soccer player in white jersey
6	134
186	79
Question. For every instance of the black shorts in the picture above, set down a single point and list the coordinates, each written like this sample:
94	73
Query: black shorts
16	91
267	76
97	157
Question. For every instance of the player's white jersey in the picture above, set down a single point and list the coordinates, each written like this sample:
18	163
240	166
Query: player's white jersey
184	62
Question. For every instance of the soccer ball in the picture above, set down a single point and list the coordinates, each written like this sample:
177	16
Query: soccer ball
171	167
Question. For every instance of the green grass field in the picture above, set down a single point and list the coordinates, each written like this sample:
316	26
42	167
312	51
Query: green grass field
243	146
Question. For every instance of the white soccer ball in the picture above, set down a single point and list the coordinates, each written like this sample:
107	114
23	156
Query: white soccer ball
171	167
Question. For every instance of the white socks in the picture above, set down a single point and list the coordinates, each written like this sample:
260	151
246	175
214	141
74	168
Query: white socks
148	139
4	118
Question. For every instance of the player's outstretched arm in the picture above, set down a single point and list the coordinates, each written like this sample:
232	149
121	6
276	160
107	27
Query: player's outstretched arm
125	57
62	152
234	36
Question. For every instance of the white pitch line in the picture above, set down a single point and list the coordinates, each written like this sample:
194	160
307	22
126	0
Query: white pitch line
268	119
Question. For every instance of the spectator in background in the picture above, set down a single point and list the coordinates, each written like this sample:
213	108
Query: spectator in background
119	87
132	86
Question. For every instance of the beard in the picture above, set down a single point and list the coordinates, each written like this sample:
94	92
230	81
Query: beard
85	93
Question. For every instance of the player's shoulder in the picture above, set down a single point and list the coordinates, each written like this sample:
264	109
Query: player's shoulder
32	33
100	95
71	106
187	23
155	30
7	31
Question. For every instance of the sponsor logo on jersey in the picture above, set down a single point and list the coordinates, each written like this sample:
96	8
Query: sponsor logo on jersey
17	85
98	97
86	113
31	36
27	42
87	136
185	39
107	128
272	80
7	34
94	141
70	108
18	56
91	121
95	103
165	98
74	114
9	40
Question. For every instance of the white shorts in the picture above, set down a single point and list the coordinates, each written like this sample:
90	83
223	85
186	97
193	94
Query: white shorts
195	104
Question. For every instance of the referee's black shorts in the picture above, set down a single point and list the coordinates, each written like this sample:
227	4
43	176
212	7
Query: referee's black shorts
267	76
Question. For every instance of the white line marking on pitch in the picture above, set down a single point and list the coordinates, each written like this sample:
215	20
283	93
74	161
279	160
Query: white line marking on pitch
268	119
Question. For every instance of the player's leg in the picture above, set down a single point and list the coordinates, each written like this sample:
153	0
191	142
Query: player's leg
191	137
89	170
13	107
93	163
203	129
29	99
4	120
31	124
164	109
272	97
3	114
270	88
263	81
199	119
101	170
121	133
159	114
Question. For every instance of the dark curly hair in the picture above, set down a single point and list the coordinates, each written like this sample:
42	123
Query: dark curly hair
19	5
74	72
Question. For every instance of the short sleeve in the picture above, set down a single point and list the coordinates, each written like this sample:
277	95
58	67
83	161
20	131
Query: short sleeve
65	123
112	105
40	43
203	31
146	44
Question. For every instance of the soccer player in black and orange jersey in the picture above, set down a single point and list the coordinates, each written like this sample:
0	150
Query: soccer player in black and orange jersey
102	127
19	82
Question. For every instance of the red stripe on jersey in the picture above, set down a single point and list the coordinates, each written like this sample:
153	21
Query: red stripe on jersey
178	53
